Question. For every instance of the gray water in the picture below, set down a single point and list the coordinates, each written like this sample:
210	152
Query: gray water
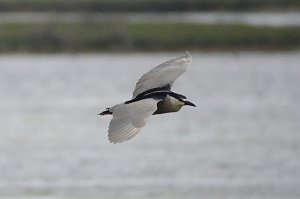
250	18
241	141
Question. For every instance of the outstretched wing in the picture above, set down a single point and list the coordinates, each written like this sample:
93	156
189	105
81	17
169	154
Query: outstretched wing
164	75
128	119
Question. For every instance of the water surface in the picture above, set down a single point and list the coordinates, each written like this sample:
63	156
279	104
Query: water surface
250	18
242	140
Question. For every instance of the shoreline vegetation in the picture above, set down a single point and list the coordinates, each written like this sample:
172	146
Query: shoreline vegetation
90	36
146	5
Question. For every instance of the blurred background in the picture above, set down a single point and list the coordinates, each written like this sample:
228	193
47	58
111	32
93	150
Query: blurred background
63	61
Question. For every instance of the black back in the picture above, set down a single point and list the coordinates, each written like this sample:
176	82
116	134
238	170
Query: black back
158	94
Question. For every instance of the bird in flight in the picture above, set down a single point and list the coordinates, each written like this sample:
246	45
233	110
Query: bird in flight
152	95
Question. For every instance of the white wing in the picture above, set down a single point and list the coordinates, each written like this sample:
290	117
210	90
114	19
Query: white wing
128	119
163	75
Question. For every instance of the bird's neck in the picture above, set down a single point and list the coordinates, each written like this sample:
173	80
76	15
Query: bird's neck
168	105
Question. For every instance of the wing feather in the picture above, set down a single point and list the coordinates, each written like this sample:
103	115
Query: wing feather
163	75
128	119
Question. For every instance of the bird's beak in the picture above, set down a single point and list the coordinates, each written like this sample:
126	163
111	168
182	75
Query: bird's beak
189	103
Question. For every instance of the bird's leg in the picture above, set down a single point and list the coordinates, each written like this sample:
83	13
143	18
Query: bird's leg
106	112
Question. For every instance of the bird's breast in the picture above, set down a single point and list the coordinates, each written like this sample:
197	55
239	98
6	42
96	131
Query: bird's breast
168	105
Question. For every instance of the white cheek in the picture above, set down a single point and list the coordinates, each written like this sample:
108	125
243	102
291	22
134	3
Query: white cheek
176	102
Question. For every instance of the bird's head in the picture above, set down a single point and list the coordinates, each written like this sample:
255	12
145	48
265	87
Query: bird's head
178	103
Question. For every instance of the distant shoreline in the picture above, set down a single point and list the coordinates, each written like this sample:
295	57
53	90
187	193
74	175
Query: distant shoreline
146	6
116	36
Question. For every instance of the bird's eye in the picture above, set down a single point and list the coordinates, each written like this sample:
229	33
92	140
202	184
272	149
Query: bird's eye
107	109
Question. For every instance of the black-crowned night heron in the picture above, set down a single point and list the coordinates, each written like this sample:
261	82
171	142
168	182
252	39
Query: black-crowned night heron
152	95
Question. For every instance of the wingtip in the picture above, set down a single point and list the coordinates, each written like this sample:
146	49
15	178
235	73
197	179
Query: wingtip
188	56
112	141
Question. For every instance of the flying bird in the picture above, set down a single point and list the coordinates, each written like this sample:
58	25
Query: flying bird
152	95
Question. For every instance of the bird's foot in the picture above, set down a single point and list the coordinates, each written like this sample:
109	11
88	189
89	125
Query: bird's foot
106	112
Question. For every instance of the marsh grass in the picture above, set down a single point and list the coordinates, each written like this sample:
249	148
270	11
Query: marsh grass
117	36
145	5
